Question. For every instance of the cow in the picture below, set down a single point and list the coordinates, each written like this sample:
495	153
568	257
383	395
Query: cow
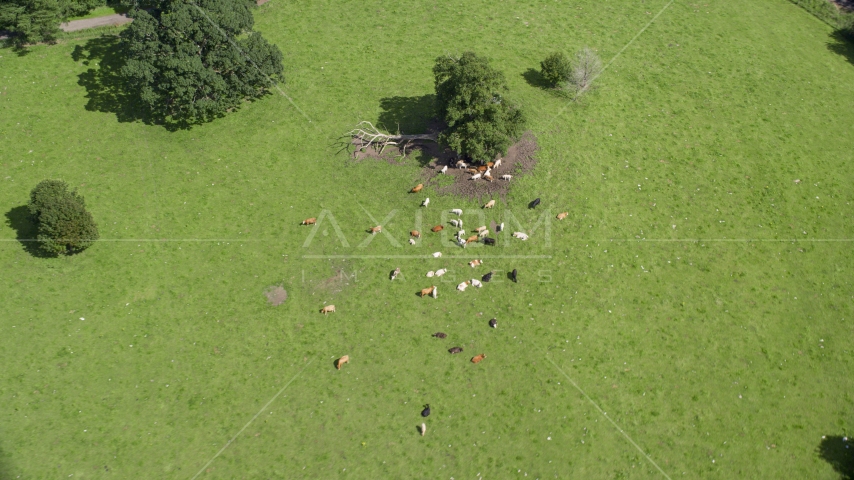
475	263
444	170
479	229
395	273
483	234
417	188
472	239
461	164
489	241
327	309
482	168
415	233
453	350
487	277
441	272
430	273
471	170
457	212
488	177
490	164
478	358
440	335
476	283
489	204
499	227
520	235
437	254
375	230
493	323
461	242
424	425
426	292
342	361
309	221
412	241
461	233
506	177
437	228
475	176
534	203
425	202
426	411
456	223
497	163
562	215
513	275
462	287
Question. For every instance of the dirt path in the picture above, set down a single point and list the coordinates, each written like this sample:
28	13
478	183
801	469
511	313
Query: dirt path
109	20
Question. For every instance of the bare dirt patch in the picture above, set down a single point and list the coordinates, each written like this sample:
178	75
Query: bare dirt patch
520	159
276	295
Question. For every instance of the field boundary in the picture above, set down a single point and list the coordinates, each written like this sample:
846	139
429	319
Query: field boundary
605	414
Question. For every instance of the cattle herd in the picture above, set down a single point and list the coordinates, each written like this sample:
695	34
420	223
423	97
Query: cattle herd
479	234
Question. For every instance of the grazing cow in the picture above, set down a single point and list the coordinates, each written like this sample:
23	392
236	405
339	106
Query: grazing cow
476	283
437	254
430	273
444	170
475	176
482	168
457	212
327	309
426	411
417	188
309	221
480	229
424	425
461	233
478	358
497	163
506	177
513	275
493	323
462	287
415	233
441	272
488	177
426	292
455	350
472	239
375	230
437	228
342	361
412	241
487	277
440	334
489	241
490	164
520	235
499	227
489	204
425	202
475	263
483	234
395	273
562	215
455	223
461	164
534	203
487	172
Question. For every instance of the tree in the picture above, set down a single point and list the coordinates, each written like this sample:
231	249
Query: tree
481	124
556	69
194	61
34	21
585	69
63	224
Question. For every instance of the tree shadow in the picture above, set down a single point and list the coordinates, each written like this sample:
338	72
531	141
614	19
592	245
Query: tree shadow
837	451
407	114
107	90
9	41
842	44
19	219
536	79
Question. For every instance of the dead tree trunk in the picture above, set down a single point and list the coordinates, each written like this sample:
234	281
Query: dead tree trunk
366	134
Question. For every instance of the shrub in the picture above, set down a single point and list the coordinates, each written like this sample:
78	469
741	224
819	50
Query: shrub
586	67
62	222
556	69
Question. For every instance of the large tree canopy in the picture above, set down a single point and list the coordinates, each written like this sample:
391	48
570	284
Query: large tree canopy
481	124
36	21
192	62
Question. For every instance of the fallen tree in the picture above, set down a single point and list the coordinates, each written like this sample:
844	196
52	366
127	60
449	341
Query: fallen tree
367	135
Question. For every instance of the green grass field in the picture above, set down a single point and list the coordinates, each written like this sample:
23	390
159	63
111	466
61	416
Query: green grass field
696	293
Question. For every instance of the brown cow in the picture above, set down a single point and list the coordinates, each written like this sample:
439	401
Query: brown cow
437	228
562	215
489	204
478	358
472	239
415	233
426	292
490	164
475	263
342	361
327	309
417	188
375	230
309	221
482	168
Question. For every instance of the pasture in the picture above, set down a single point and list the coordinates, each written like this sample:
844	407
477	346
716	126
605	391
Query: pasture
697	295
